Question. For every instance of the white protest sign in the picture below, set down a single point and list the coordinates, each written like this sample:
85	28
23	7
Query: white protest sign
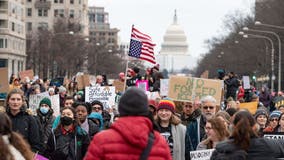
246	82
106	95
201	154
153	95
34	101
55	103
274	136
164	87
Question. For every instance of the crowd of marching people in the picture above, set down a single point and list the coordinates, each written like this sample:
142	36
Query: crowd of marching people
138	127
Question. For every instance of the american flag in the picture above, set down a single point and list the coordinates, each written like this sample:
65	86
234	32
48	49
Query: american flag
141	46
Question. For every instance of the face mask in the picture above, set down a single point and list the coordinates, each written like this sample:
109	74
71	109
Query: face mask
43	110
66	120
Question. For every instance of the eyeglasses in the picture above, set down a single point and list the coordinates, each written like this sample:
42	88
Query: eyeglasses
96	108
273	119
210	107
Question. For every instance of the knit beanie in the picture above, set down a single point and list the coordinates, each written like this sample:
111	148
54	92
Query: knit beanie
167	104
45	101
61	89
275	114
260	112
133	102
98	103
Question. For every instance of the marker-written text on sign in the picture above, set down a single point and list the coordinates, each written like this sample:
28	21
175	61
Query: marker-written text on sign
189	88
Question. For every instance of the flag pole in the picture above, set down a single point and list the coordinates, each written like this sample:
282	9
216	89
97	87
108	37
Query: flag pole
125	76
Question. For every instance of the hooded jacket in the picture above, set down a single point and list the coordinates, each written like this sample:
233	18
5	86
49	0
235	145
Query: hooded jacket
126	139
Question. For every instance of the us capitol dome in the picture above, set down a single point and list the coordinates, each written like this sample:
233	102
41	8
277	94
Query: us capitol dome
174	55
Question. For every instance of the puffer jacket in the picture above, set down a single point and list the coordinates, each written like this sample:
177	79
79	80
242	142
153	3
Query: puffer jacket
126	139
259	149
27	126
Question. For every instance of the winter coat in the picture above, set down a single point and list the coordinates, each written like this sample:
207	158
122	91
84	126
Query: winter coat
178	132
45	125
192	131
265	98
98	116
126	139
70	146
259	149
27	126
232	87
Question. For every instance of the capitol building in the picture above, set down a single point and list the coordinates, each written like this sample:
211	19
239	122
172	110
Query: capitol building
174	54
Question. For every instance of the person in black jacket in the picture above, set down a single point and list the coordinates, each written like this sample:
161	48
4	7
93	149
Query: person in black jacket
22	122
45	119
68	141
232	85
244	142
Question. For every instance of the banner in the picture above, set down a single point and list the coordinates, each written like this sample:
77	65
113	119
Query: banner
189	88
26	73
119	86
34	101
250	106
142	84
164	87
106	95
4	84
201	154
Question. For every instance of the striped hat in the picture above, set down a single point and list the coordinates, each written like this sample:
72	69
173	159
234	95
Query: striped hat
166	104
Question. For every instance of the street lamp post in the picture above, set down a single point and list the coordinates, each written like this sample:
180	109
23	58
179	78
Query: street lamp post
279	50
246	35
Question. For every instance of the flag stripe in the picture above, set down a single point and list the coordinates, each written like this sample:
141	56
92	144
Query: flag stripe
141	46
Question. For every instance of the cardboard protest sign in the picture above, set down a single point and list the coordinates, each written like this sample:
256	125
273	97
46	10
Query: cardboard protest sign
246	82
83	81
106	95
26	73
4	84
34	101
189	88
142	84
274	136
164	87
250	106
201	154
119	86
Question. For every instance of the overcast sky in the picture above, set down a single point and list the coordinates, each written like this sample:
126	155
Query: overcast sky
200	19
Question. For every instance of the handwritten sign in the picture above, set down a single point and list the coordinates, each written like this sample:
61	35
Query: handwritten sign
34	101
106	95
189	88
142	84
164	87
4	85
26	73
201	154
153	95
250	106
274	136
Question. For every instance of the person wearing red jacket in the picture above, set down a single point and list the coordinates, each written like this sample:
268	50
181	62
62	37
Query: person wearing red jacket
128	137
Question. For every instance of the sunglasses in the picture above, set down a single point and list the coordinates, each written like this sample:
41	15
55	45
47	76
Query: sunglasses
210	107
274	119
